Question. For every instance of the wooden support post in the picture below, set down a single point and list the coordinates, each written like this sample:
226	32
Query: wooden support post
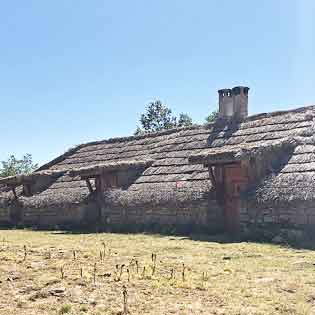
89	185
98	184
212	177
27	190
218	183
14	193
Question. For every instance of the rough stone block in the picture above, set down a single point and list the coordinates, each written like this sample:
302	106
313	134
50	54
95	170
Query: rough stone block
268	219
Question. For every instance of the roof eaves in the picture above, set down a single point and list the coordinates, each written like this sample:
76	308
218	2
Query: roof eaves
95	170
212	156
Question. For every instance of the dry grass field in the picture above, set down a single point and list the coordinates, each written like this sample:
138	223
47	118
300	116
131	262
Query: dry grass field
59	273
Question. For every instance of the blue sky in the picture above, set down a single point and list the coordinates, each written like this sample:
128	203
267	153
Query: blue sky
75	71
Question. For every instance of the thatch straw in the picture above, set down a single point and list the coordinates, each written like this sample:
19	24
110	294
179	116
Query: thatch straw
244	151
17	180
94	170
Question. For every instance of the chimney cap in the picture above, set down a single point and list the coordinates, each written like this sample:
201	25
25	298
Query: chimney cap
224	90
238	89
233	103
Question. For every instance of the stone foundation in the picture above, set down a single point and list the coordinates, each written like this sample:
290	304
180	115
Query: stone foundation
202	216
4	216
299	215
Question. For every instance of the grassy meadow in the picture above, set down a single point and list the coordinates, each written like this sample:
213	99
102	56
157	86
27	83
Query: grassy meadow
60	273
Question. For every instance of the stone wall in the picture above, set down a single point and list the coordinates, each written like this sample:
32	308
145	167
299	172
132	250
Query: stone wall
50	217
297	214
4	211
4	216
203	216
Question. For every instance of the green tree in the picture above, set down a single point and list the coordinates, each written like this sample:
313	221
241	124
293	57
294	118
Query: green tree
159	117
212	116
184	120
13	166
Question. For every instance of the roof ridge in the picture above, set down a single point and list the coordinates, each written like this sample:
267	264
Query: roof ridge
167	132
300	109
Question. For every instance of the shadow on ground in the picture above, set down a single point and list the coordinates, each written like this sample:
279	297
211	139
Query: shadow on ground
307	242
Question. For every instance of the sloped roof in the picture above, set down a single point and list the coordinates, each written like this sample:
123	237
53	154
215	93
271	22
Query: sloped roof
94	170
21	179
294	182
226	154
170	151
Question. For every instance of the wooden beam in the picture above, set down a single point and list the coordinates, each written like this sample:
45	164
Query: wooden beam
221	163
88	183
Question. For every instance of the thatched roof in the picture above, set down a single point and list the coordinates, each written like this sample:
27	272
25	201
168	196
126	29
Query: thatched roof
99	169
17	180
295	181
171	175
244	151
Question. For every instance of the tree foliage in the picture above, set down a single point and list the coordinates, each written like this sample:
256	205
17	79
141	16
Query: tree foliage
13	166
212	116
159	117
184	120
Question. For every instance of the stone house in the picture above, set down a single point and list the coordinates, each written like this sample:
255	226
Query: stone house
238	171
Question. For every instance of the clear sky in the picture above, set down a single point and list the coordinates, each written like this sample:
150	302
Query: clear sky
75	71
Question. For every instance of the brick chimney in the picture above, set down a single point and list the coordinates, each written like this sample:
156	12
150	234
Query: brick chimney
233	103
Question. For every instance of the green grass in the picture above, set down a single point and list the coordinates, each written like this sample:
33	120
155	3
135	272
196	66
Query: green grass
65	309
227	278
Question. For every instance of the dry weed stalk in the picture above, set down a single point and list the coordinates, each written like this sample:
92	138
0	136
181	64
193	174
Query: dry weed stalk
134	265
143	272
62	271
120	270
104	249
153	258
137	266
116	273
172	274
25	252
204	276
81	272
94	273
125	300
